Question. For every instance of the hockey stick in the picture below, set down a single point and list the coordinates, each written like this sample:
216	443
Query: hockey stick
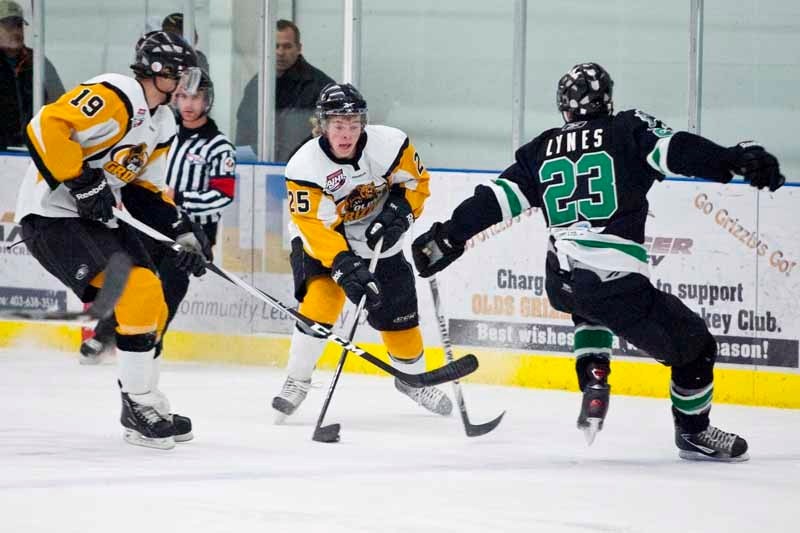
454	370
330	433
116	275
472	430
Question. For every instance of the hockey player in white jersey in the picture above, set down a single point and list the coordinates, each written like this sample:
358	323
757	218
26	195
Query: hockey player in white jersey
109	133
348	188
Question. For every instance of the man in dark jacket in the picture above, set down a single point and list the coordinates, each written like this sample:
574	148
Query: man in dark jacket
16	77
297	86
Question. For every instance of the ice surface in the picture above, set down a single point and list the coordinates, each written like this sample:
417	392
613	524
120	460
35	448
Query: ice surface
64	466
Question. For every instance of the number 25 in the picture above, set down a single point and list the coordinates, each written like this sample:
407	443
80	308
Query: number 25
298	202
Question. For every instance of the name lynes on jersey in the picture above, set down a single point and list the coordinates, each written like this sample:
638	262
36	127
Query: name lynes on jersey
568	141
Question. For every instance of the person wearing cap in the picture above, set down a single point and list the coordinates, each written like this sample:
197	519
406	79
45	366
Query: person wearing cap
16	77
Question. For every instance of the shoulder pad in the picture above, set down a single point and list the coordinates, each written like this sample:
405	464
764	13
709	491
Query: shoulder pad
124	86
309	163
384	143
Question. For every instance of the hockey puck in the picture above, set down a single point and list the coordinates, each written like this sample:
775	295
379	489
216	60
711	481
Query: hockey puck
327	433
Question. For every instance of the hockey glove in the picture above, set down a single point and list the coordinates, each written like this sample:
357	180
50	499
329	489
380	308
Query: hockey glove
757	166
433	251
353	276
392	222
92	194
196	248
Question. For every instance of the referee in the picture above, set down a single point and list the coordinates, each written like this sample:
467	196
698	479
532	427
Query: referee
201	178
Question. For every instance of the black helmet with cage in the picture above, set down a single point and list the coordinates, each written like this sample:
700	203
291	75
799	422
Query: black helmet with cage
338	99
161	53
585	92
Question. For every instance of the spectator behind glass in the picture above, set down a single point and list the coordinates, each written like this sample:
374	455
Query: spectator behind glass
297	86
16	77
174	24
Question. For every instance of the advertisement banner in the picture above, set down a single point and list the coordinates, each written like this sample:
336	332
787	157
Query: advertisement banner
709	245
727	252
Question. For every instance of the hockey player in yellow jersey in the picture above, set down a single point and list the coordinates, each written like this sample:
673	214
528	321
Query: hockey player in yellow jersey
102	143
348	188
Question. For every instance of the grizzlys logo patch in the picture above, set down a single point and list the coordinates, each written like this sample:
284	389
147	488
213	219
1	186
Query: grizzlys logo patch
360	202
334	182
127	161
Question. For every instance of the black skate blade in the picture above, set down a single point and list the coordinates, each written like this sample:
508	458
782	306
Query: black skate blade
328	433
698	456
476	430
591	429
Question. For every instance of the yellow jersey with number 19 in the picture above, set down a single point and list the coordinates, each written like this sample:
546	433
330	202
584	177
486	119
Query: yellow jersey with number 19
104	123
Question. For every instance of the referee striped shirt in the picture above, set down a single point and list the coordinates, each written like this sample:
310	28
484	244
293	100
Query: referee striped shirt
201	168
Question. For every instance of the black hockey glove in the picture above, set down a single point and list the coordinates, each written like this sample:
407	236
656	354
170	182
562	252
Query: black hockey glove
757	166
196	248
392	222
352	274
433	251
92	194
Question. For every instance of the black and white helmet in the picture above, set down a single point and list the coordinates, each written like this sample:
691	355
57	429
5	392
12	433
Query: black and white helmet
340	99
160	53
585	91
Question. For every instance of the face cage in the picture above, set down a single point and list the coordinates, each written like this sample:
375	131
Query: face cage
324	116
208	97
188	77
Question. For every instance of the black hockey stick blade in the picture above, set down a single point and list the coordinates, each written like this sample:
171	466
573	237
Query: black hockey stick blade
116	276
328	433
453	370
476	430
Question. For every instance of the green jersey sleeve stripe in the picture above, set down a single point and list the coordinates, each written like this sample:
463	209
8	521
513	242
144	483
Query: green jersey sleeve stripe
509	196
657	158
502	199
634	250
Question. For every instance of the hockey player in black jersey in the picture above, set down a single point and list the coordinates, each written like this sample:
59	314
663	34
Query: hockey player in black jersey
590	177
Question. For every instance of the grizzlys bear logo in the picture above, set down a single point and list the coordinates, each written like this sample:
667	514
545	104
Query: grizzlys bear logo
361	201
127	161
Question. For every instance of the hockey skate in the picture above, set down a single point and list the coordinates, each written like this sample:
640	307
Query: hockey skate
593	379
292	394
711	444
430	398
181	424
143	424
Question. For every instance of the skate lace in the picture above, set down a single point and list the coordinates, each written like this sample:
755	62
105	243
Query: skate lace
428	396
716	438
294	390
147	413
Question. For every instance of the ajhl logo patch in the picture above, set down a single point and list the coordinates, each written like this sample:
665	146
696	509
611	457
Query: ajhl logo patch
334	182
